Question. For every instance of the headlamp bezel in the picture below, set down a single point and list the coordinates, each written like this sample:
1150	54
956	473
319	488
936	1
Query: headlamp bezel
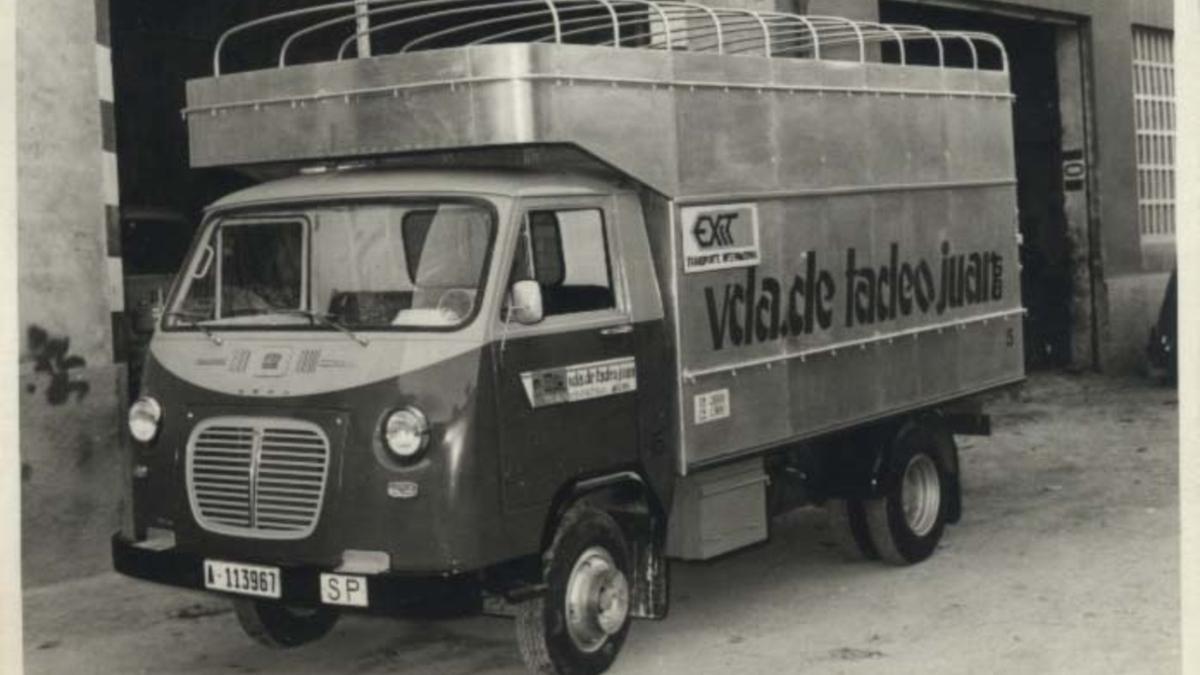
409	418
146	410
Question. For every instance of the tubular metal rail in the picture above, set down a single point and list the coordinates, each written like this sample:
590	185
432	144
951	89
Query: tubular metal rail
350	25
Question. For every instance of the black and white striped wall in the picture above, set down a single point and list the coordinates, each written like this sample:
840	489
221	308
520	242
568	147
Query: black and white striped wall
110	180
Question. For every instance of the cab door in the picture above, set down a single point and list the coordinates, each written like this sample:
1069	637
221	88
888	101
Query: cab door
567	385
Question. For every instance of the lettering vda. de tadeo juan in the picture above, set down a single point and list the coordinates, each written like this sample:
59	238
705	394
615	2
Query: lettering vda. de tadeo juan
761	307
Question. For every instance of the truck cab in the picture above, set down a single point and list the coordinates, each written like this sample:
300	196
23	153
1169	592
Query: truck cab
362	374
375	310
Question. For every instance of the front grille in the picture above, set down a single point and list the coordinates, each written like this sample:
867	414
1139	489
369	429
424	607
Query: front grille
257	477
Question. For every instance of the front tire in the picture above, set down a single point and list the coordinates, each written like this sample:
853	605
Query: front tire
281	626
579	624
907	523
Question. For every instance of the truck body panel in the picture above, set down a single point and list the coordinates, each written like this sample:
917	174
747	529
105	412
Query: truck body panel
851	308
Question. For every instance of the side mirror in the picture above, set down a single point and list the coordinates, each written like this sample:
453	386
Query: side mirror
525	302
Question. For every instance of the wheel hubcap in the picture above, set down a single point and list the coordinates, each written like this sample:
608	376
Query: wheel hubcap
921	494
597	599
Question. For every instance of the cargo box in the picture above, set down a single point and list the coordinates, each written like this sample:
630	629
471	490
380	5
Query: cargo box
870	262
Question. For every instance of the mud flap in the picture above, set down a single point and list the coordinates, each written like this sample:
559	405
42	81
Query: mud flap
649	597
944	431
954	510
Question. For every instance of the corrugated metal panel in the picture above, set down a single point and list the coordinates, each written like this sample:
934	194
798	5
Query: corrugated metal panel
1154	101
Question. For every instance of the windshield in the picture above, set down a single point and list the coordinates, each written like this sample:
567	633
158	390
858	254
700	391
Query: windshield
400	265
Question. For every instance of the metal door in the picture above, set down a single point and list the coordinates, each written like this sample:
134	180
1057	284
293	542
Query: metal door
566	386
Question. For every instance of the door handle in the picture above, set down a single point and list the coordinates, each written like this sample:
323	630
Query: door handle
624	329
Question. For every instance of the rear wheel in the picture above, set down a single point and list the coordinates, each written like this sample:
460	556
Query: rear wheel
848	525
579	624
907	523
282	626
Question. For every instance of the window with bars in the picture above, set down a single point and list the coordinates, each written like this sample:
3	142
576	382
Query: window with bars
1154	101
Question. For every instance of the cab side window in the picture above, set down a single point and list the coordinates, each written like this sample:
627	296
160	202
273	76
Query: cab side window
568	250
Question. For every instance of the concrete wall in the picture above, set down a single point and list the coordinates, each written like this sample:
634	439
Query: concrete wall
862	10
1155	13
1134	297
1133	303
70	389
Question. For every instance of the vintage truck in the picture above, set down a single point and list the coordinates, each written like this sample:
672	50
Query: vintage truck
547	293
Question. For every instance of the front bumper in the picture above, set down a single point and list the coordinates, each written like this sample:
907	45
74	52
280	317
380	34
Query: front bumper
300	584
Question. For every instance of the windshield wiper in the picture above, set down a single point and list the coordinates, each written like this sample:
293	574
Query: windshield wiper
327	320
189	319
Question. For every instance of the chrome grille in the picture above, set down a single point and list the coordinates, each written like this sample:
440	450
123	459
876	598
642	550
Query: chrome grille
257	477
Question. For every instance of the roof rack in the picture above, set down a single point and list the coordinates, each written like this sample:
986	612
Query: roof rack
349	27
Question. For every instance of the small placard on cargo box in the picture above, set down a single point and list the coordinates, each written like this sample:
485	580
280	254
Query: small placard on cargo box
720	236
711	406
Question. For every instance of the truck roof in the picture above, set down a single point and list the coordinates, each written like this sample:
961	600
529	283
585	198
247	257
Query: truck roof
700	102
362	182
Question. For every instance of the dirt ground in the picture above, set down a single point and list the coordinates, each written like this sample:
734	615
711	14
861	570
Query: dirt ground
1066	561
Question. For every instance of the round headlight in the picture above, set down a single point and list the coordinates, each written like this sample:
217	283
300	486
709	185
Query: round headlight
144	416
406	432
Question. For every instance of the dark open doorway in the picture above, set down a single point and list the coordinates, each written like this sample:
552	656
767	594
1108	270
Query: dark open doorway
1046	275
157	47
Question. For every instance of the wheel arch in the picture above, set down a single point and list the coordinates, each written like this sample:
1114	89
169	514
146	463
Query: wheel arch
630	499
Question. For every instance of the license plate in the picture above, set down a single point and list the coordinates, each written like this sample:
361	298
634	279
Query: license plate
257	580
342	589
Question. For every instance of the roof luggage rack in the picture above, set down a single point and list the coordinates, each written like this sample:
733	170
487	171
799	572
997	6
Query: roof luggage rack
349	29
682	98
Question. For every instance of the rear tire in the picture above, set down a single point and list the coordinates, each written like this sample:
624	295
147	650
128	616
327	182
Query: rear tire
848	525
579	624
907	523
281	626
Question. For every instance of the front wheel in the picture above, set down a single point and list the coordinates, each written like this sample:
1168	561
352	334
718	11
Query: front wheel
579	624
907	523
282	626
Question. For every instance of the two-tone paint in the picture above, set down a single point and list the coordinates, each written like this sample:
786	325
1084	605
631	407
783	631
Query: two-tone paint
482	492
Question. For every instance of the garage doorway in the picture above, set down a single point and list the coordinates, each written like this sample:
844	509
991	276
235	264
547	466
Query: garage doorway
1055	255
